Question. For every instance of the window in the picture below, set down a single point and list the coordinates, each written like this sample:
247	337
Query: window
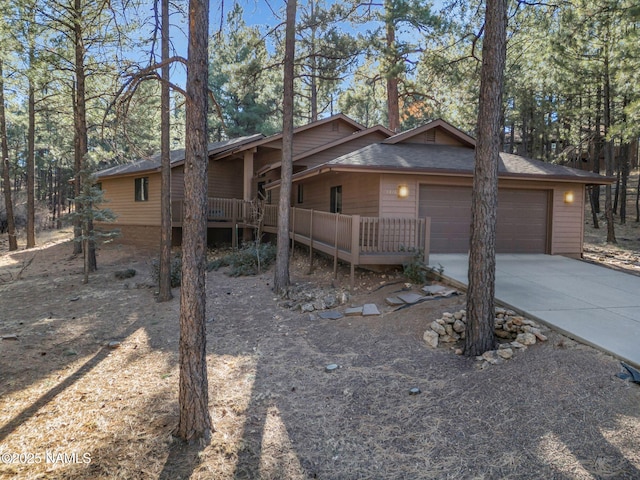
142	189
336	199
262	193
98	186
300	193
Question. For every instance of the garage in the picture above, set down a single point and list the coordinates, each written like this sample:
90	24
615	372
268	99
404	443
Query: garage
522	219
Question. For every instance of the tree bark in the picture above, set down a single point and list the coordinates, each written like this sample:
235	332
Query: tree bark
281	277
608	152
8	202
393	107
80	129
195	421
164	294
480	336
624	167
31	165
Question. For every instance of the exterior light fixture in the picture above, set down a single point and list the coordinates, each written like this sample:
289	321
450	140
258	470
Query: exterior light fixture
568	197
403	191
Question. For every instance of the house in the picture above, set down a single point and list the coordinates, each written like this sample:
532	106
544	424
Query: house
239	170
427	172
364	195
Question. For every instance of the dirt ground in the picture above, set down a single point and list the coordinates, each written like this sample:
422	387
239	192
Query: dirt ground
73	408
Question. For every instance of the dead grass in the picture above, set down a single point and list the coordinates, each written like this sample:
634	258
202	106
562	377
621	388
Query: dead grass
554	411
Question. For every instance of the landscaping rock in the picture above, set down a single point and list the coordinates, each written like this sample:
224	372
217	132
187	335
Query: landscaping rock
502	334
433	289
307	307
353	311
526	338
451	327
459	326
491	357
330	301
330	315
10	337
539	335
410	298
505	353
370	309
431	338
439	329
394	301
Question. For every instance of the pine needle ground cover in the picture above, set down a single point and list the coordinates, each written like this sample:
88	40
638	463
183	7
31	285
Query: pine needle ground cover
89	388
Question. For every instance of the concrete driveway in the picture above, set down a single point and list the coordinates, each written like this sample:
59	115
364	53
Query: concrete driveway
595	305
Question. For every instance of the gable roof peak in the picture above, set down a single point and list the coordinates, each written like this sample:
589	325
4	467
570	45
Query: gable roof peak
438	123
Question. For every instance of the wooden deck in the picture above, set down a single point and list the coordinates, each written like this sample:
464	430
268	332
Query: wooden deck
354	239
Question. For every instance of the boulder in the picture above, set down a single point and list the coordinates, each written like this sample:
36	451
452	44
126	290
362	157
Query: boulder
431	338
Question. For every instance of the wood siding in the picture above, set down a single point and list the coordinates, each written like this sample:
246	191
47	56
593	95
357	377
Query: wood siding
566	224
320	135
120	196
225	178
568	220
177	183
359	193
437	136
339	150
390	204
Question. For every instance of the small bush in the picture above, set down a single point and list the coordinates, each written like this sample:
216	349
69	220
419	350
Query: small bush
176	271
417	271
251	259
124	274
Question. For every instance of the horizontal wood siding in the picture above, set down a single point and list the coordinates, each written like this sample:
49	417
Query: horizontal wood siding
342	149
265	157
390	204
225	178
359	193
320	135
436	136
177	183
120	196
568	220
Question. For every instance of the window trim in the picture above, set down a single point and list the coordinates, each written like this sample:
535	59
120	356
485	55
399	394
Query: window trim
335	202
300	193
141	189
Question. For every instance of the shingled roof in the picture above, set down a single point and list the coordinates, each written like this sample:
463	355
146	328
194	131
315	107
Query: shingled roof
177	158
447	160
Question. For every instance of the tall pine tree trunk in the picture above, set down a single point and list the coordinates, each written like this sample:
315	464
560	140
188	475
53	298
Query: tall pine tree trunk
393	107
195	421
624	167
8	202
31	167
480	336
281	276
80	129
608	153
164	294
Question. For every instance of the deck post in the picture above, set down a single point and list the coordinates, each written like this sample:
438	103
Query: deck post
234	223
427	239
355	247
335	243
311	242
293	231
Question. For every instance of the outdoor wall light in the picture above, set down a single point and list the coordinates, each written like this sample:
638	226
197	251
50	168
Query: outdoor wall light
568	197
403	191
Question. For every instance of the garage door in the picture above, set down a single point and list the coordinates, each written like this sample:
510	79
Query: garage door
522	219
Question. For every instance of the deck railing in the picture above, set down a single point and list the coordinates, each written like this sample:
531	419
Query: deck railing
352	238
224	210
